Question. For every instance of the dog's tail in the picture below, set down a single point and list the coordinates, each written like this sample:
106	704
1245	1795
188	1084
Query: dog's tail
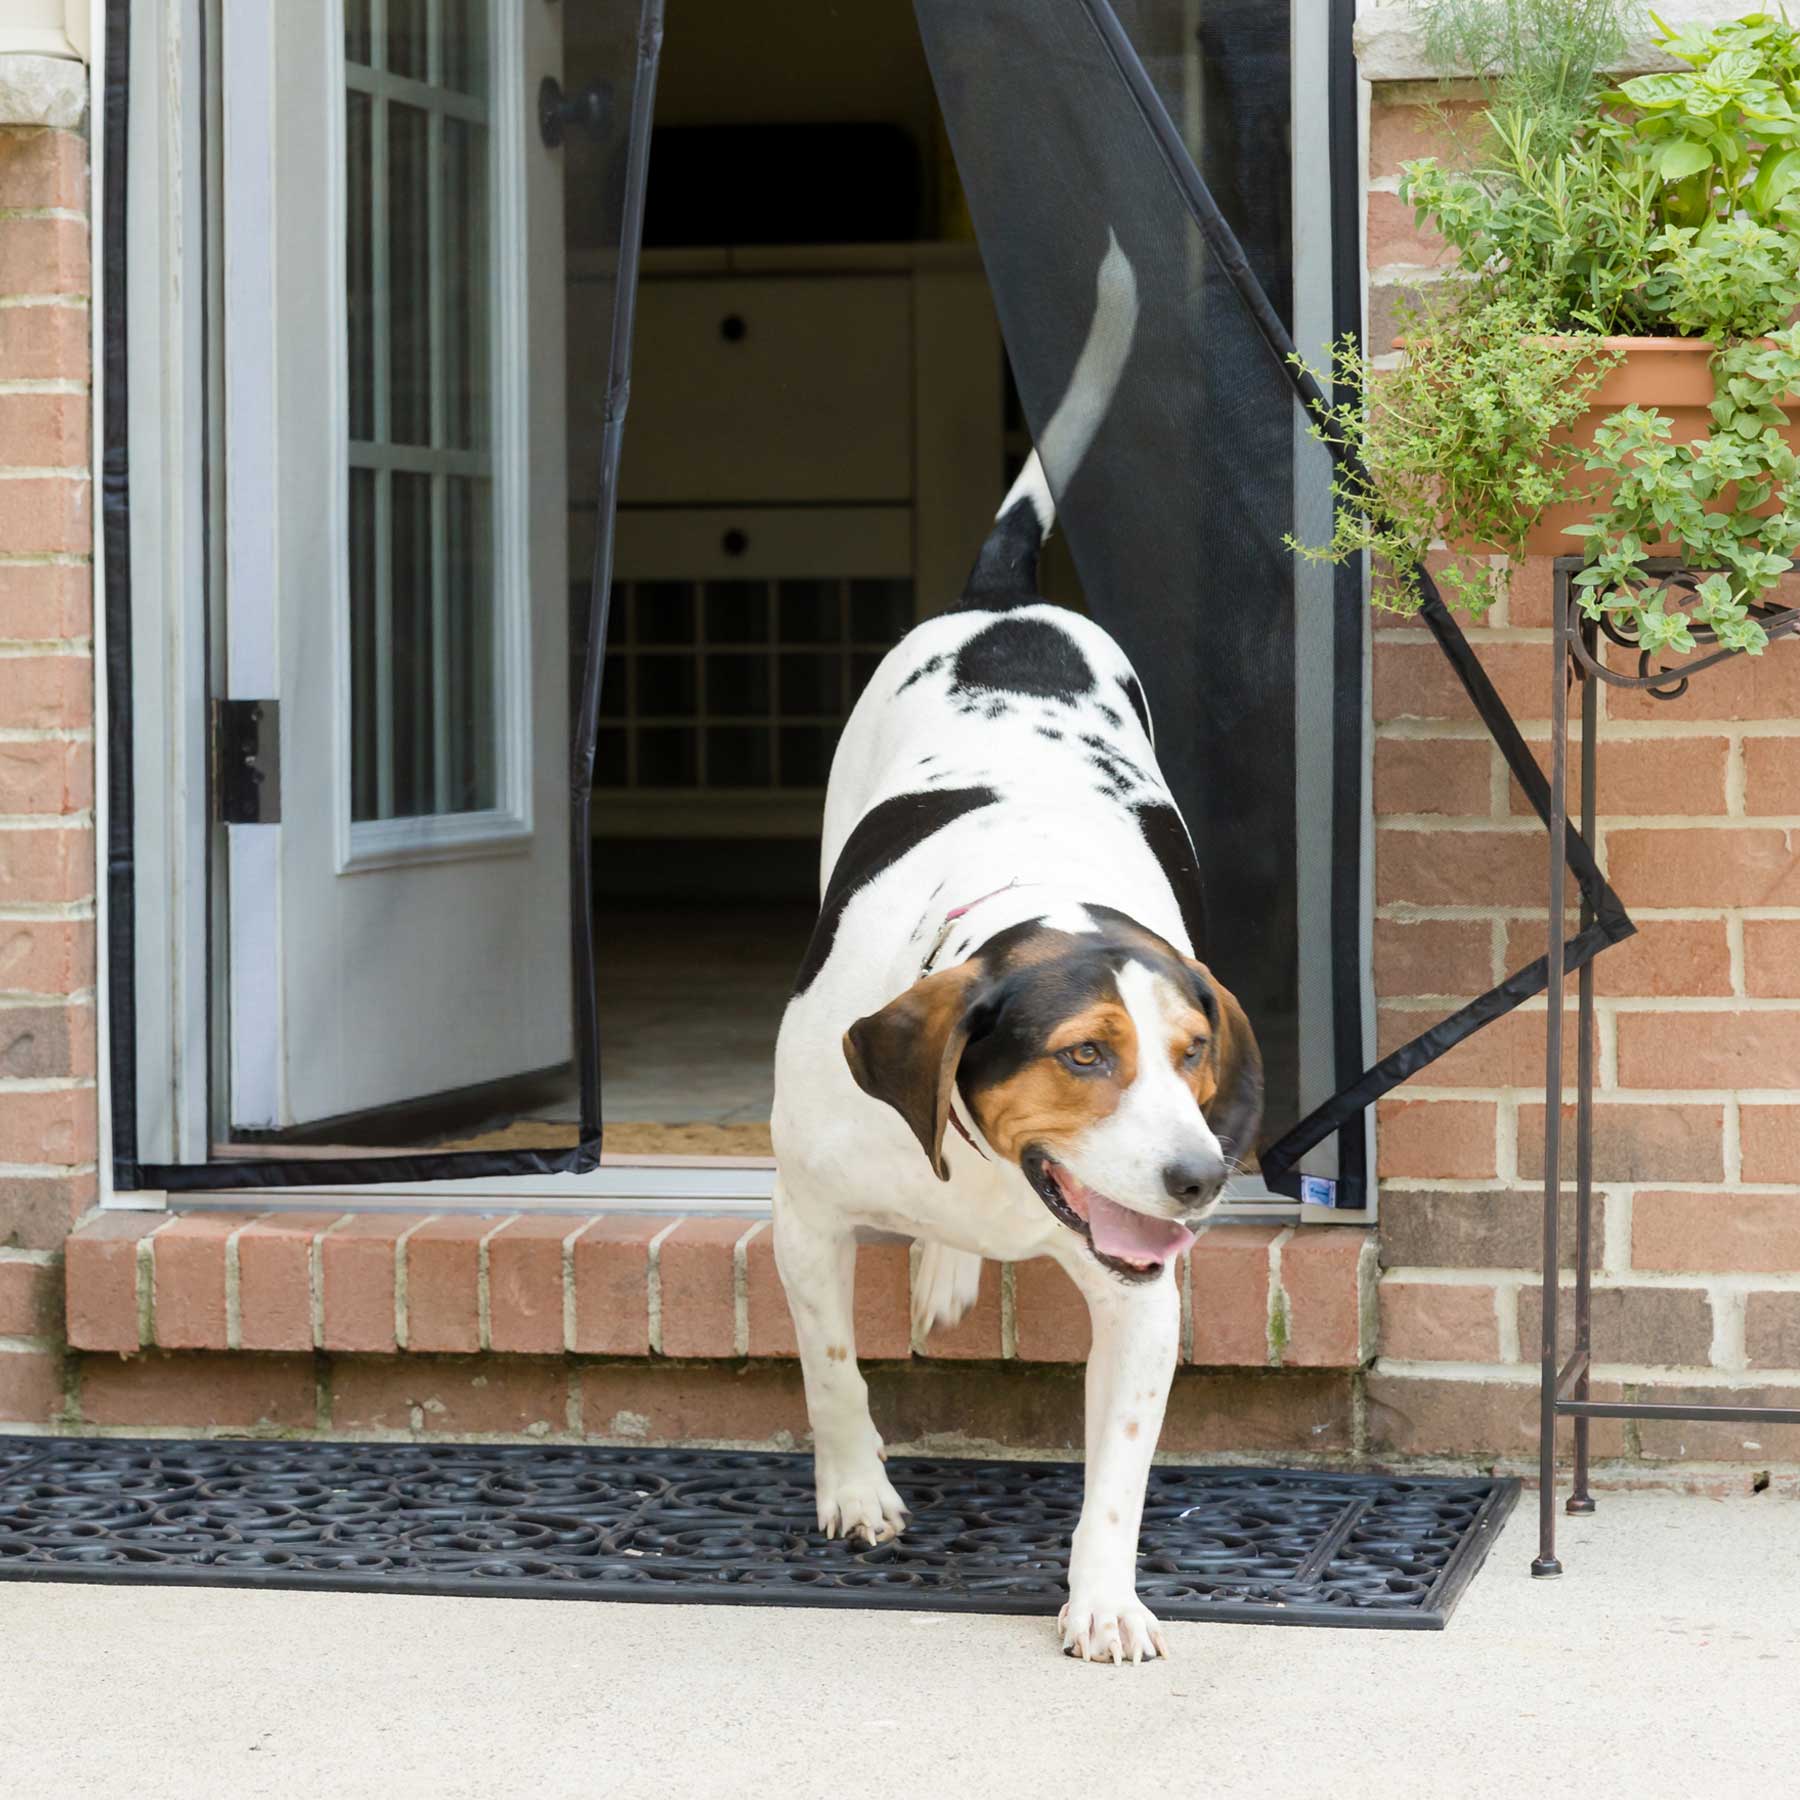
1005	572
946	1286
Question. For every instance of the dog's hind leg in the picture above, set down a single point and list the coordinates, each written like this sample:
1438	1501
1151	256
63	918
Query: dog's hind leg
815	1251
1137	1333
947	1285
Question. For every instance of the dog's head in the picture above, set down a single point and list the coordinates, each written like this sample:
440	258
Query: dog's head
1117	1074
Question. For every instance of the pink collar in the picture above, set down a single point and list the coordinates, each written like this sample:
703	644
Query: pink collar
955	913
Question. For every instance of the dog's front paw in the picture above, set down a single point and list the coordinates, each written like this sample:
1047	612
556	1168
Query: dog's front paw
1102	1624
856	1499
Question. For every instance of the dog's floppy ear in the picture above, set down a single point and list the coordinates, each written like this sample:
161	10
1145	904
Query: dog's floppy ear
1235	1113
907	1053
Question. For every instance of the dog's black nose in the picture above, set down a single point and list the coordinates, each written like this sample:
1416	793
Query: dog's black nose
1191	1177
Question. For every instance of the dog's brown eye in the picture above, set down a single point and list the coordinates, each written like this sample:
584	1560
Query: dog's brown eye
1196	1049
1083	1056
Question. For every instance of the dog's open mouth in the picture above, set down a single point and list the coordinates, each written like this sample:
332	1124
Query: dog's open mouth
1132	1244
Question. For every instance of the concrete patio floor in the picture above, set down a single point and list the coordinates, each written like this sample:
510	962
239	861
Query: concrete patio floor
1665	1663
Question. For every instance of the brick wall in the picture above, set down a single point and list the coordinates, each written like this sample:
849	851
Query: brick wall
47	1039
1697	1149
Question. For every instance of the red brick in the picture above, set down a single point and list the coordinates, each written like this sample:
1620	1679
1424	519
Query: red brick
1434	1321
356	1273
1264	1412
1460	868
770	1322
1772	776
31	1386
46	956
189	1274
1751	688
443	1291
100	1279
47	514
1730	866
1434	775
1507	1053
1772	1330
1529	602
453	1396
683	1403
46	1042
1666	957
1452	958
612	1285
43	169
1412	1415
977	1332
1672	1327
1772	958
50	777
883	1301
1769	1141
38	1211
1748	1233
1648	1142
30	1298
44	431
53	863
1320	1275
1404	133
1451	1140
1412	679
43	256
202	1392
46	693
45	343
44	601
525	1284
54	1126
696	1263
1050	1318
1709	1050
1644	776
1228	1272
275	1295
1393	238
1499	1228
1688	1440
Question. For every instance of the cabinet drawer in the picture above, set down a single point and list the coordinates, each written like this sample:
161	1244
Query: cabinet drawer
770	389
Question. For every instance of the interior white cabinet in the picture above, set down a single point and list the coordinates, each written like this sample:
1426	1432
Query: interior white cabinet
813	452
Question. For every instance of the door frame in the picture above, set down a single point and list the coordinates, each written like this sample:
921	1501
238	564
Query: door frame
152	316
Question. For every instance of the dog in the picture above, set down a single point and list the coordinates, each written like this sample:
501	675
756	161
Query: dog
999	1042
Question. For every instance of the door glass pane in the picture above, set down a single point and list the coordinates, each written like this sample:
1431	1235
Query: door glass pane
424	614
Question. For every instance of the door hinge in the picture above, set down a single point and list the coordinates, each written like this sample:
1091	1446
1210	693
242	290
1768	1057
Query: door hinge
247	761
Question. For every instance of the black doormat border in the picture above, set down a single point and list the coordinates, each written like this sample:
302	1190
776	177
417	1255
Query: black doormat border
726	1527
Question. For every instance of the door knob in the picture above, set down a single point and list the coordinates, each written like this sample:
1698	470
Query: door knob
590	110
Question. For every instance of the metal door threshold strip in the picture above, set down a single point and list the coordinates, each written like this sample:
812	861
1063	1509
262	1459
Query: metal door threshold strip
720	1527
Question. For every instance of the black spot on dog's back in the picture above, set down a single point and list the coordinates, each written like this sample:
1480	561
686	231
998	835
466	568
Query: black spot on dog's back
1173	849
1022	656
883	835
1135	695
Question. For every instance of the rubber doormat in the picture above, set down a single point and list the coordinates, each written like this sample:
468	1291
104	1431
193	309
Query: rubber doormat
1264	1546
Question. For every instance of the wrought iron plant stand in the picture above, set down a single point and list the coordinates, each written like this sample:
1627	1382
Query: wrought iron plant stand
1565	1391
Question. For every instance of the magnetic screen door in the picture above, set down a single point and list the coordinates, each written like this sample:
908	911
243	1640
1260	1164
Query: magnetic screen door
405	674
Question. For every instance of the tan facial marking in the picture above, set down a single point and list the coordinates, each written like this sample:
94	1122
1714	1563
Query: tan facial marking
1047	1102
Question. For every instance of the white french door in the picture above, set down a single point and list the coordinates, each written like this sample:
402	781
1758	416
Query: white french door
396	564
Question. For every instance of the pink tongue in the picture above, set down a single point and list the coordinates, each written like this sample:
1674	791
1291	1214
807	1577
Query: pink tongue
1132	1237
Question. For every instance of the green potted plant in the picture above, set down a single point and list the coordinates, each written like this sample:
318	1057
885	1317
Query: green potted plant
1609	369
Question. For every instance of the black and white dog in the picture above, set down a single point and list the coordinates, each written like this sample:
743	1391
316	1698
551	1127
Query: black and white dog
1000	1042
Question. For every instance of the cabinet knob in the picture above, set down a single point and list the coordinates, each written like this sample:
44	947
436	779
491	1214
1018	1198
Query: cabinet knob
734	542
733	329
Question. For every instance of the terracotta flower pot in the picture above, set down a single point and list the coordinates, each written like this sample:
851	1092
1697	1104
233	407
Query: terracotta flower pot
1671	375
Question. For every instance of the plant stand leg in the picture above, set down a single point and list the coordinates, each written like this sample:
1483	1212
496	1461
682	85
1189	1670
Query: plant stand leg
1545	1562
1580	1500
